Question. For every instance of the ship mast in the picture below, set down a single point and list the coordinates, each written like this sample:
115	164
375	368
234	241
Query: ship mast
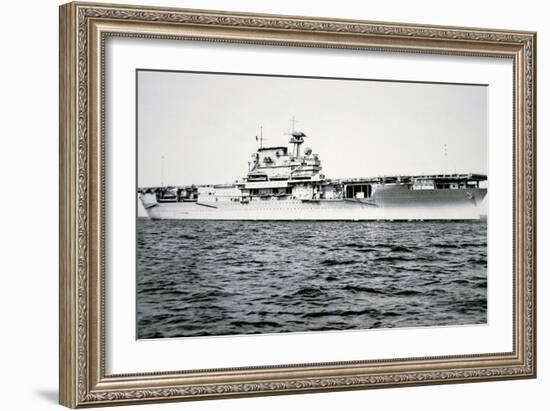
261	137
297	138
293	121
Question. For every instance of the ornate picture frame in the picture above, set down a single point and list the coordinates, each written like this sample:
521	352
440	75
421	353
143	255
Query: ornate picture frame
84	29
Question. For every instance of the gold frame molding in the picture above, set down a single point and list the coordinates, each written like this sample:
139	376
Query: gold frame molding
83	30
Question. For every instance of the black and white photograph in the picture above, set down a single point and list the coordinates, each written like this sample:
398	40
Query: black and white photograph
275	204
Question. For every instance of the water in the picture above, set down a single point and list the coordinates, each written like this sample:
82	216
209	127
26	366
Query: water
199	278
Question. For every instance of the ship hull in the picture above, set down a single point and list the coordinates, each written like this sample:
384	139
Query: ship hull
388	203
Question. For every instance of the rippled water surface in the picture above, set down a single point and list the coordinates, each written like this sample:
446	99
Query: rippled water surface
198	278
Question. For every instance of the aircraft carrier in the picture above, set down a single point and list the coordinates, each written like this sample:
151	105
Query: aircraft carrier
287	184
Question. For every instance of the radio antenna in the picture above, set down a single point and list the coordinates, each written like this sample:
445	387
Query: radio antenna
261	137
293	121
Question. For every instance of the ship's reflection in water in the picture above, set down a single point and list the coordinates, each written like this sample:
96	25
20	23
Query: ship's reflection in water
204	278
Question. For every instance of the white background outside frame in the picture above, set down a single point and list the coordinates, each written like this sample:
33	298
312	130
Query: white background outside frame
29	158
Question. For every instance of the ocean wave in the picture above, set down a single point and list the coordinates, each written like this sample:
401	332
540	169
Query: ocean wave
406	292
341	313
362	289
202	278
309	292
331	262
402	249
258	324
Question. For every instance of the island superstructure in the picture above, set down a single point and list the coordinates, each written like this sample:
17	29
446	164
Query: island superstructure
284	184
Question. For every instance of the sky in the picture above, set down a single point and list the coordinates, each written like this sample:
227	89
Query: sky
198	128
